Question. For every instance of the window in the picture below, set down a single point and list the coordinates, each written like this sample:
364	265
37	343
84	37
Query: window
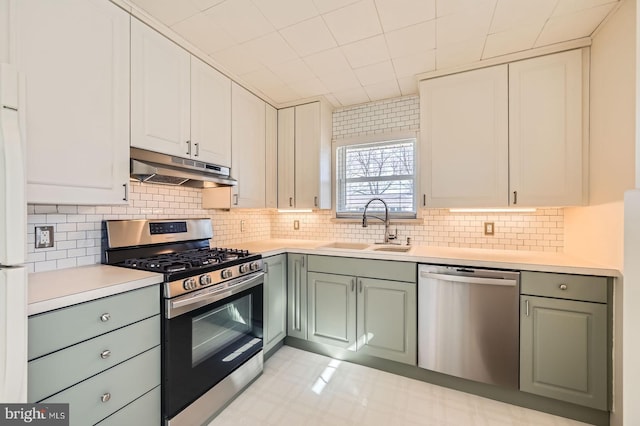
382	169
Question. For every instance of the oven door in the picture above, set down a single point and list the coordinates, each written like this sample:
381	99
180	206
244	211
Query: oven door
208	334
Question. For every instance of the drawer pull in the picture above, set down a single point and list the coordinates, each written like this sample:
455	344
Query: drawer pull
105	354
105	397
105	317
563	286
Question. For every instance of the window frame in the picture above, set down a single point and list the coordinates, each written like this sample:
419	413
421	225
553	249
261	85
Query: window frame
371	139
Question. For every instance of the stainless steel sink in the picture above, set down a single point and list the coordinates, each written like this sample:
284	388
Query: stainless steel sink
345	245
392	248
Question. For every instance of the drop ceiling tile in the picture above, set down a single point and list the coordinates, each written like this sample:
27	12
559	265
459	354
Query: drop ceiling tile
270	49
200	31
395	14
574	25
327	62
409	66
282	94
340	81
414	39
512	13
352	97
408	86
383	90
466	52
292	71
366	52
309	37
355	22
262	78
514	40
464	25
241	19
375	73
168	12
237	60
309	88
447	7
206	4
282	13
332	100
325	6
566	7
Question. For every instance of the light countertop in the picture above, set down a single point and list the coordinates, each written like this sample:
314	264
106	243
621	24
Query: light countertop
64	287
502	259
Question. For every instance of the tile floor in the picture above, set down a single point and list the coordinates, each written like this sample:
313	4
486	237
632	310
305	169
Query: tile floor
302	388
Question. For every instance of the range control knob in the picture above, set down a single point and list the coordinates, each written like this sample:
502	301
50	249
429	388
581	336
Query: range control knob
189	284
254	266
205	279
244	268
226	273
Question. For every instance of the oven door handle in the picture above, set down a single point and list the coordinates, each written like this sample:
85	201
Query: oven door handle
180	306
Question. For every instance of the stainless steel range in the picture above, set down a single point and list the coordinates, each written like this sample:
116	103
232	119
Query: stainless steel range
212	311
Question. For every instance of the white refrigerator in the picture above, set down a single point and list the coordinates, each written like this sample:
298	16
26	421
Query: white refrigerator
13	216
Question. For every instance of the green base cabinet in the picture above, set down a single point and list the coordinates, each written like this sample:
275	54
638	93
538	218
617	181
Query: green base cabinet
332	309
275	300
564	346
297	295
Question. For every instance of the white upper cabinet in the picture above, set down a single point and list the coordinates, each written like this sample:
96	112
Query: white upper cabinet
248	148
545	130
160	93
509	135
210	114
466	143
74	55
271	157
304	156
6	29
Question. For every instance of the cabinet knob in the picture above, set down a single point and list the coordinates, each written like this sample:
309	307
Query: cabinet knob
105	317
105	397
563	286
105	354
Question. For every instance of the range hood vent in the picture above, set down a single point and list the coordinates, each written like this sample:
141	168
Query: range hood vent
153	167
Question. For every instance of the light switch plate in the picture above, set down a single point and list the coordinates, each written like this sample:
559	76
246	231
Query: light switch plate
44	236
489	228
296	224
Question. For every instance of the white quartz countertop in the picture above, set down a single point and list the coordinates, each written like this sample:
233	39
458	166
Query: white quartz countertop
502	259
65	287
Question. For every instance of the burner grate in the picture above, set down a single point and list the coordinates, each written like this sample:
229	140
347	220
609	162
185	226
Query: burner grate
187	260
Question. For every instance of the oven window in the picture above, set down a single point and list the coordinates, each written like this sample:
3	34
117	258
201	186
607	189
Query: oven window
216	329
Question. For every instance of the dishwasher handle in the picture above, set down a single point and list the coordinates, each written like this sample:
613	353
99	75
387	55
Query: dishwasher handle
469	280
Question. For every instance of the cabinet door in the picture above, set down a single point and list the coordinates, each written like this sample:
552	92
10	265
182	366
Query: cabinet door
248	148
210	114
332	309
307	156
286	158
387	319
275	300
271	157
545	130
160	91
297	295
6	30
464	162
74	55
563	350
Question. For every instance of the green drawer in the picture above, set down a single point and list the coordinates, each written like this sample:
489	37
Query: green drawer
564	286
61	369
58	329
123	383
366	268
144	411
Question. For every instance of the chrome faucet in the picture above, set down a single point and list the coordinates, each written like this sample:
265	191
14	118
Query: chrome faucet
387	235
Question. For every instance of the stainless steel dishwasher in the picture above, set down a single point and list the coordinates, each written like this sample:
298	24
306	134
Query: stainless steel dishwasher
468	323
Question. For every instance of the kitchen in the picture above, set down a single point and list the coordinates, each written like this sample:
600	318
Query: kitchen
594	232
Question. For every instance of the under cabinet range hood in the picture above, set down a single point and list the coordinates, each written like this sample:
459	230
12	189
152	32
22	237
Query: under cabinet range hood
153	167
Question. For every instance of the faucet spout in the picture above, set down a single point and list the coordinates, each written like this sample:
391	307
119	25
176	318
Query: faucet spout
386	217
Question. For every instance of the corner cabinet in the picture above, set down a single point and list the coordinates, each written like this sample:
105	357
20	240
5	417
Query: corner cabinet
304	156
275	300
74	55
368	306
522	143
297	295
564	340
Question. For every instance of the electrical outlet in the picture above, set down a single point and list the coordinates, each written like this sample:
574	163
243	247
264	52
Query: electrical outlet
296	224
489	228
242	225
44	236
